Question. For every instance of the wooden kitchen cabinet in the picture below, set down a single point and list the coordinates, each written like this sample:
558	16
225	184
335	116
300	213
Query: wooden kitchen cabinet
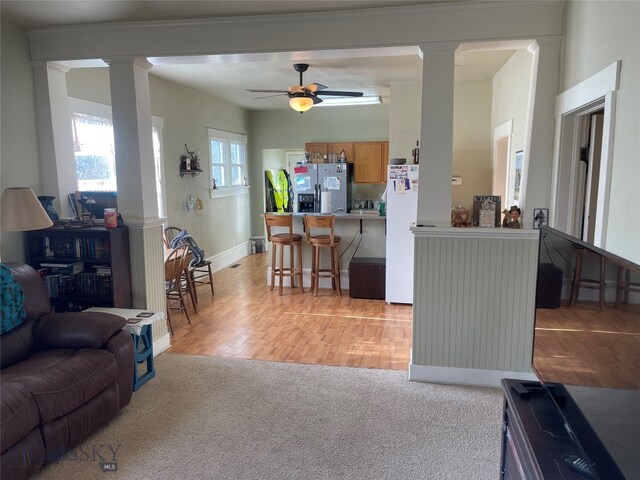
385	157
370	161
319	148
338	147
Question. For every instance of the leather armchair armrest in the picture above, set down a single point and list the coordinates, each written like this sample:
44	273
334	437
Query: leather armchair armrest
121	346
76	330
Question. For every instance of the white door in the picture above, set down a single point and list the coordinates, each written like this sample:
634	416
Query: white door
588	177
593	177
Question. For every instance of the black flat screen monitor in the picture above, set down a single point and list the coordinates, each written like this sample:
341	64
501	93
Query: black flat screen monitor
587	347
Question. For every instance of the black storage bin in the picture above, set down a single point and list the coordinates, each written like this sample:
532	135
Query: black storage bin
367	278
549	289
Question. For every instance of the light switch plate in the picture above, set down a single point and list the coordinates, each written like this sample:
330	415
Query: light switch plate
456	180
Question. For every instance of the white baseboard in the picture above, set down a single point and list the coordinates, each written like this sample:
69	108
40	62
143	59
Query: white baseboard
161	344
464	376
229	257
306	279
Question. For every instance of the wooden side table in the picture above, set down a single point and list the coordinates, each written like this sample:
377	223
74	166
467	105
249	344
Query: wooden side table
142	339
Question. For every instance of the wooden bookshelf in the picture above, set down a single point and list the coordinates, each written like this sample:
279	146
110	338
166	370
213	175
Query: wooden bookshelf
103	256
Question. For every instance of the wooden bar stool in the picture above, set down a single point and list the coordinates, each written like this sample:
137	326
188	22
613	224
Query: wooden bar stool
317	242
579	282
278	242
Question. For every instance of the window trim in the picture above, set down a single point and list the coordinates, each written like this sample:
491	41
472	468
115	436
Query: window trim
87	107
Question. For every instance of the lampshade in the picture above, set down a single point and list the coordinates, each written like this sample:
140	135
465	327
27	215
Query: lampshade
21	211
301	103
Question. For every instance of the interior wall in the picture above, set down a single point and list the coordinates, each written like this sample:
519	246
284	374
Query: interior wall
471	141
404	118
596	34
511	87
288	130
224	222
19	153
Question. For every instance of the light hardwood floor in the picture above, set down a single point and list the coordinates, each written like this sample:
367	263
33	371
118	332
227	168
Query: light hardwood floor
246	320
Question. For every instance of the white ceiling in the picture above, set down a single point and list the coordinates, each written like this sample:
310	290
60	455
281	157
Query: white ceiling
371	71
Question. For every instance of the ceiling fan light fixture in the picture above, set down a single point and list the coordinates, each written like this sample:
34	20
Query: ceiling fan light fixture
301	103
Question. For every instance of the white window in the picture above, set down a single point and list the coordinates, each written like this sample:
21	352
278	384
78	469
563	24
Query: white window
94	152
93	145
228	154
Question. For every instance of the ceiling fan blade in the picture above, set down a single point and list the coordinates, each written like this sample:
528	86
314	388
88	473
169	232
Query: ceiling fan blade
259	90
295	89
316	100
271	96
336	93
314	87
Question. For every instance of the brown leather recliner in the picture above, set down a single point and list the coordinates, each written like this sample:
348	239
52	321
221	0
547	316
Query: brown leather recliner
62	376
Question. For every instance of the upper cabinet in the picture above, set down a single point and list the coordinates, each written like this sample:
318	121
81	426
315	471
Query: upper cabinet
317	148
338	147
371	159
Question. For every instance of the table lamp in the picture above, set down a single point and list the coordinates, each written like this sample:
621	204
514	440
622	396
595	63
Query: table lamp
20	210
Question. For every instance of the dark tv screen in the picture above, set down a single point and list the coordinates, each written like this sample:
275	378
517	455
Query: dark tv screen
587	349
585	342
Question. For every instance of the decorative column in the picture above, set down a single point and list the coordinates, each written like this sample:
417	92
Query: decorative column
538	150
436	134
137	193
55	136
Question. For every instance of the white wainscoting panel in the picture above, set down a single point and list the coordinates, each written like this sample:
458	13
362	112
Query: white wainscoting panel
474	298
147	273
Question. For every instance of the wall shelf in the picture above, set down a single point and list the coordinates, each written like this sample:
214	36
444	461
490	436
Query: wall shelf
191	172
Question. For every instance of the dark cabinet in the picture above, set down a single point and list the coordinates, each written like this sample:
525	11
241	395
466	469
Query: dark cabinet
537	442
83	268
367	278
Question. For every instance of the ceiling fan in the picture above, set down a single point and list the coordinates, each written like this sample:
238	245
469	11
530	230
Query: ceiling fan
302	98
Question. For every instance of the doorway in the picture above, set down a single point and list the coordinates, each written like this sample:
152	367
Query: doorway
588	175
501	162
577	194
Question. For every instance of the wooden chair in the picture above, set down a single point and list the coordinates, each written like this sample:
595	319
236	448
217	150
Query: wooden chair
174	267
624	286
278	242
201	273
579	282
319	241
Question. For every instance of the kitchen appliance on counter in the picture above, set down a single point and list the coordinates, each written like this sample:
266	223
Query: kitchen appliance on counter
313	182
402	213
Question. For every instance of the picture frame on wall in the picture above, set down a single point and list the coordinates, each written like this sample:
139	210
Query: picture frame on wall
540	217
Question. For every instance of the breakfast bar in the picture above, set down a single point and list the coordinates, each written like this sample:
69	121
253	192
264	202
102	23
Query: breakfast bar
362	234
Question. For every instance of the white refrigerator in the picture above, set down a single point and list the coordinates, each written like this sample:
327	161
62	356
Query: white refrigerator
402	211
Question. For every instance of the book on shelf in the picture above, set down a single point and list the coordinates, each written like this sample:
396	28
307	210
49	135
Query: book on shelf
64	268
102	269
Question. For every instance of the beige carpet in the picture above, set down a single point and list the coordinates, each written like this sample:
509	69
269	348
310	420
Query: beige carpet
216	418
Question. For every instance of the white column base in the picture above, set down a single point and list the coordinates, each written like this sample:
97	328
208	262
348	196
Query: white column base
161	344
